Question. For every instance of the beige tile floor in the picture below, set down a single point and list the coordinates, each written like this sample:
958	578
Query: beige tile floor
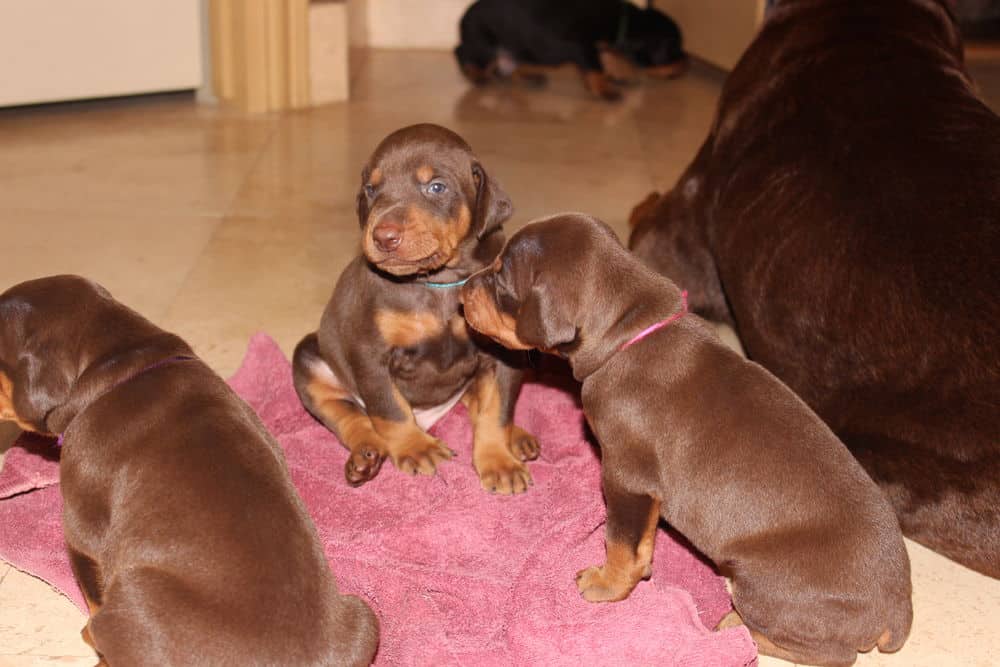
217	225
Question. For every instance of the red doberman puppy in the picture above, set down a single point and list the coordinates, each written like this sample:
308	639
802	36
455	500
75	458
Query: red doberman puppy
843	215
184	531
393	353
716	445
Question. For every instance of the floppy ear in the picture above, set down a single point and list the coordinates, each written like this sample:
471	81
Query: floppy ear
493	207
542	321
31	361
362	200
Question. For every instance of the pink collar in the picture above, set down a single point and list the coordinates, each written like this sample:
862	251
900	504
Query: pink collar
659	325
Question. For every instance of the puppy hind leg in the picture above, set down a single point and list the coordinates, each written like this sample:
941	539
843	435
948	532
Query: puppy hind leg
630	533
88	578
834	656
325	398
499	449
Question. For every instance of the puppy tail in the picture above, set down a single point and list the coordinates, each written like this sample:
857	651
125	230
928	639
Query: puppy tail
358	631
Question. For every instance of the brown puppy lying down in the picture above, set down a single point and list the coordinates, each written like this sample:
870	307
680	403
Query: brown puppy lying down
843	214
393	353
713	443
184	531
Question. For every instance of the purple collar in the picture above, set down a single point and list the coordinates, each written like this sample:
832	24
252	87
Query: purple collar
163	362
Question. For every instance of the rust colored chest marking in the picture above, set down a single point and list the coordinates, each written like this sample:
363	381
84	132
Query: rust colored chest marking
407	328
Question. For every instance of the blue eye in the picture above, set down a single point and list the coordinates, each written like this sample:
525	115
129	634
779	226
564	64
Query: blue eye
437	188
369	189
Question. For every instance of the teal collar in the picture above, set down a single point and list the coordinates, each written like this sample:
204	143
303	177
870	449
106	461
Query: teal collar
457	283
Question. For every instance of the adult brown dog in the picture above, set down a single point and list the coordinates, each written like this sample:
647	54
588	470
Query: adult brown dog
713	443
392	352
184	531
843	214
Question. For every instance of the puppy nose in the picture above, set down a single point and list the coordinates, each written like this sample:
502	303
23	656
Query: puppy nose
387	236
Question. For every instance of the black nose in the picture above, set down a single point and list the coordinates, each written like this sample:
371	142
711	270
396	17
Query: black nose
387	236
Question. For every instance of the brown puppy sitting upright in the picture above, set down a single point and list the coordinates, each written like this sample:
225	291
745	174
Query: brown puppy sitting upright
844	215
184	531
392	353
713	443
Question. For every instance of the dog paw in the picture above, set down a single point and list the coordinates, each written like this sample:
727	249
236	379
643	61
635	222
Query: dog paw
363	465
600	85
421	456
531	79
504	475
523	445
594	585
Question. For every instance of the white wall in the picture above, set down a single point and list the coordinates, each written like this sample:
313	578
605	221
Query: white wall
406	24
69	49
717	31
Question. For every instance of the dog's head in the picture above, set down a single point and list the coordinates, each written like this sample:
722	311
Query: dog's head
533	294
425	197
651	39
55	330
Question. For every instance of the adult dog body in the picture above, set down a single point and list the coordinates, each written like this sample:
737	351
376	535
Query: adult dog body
843	214
713	443
184	531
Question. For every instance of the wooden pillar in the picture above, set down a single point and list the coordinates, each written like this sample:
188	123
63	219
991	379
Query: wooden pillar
261	52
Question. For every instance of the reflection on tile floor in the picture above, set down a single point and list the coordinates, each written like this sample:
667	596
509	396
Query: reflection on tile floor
217	225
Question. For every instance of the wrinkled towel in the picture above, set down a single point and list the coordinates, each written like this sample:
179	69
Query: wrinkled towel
457	576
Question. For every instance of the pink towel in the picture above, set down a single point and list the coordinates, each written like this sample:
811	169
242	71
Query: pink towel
457	576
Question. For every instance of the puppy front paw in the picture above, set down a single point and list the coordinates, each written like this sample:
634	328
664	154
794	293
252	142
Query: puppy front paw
599	84
523	445
504	475
363	464
595	585
420	455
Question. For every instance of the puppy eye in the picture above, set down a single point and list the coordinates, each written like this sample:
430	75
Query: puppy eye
369	189
437	188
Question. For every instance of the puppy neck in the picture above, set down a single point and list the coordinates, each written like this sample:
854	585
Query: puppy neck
603	335
110	370
471	256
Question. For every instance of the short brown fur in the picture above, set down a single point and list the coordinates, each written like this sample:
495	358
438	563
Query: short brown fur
185	533
390	343
842	214
713	443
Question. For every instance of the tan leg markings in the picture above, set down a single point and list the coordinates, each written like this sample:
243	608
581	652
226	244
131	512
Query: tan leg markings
92	609
496	448
354	429
371	439
623	568
671	71
600	84
523	445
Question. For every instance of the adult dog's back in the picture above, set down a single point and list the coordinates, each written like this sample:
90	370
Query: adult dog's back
843	213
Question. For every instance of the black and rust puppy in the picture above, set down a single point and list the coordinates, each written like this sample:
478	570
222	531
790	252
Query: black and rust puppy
184	531
508	37
392	353
843	214
713	443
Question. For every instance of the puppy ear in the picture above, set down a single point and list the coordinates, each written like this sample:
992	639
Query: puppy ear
362	199
493	206
542	320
